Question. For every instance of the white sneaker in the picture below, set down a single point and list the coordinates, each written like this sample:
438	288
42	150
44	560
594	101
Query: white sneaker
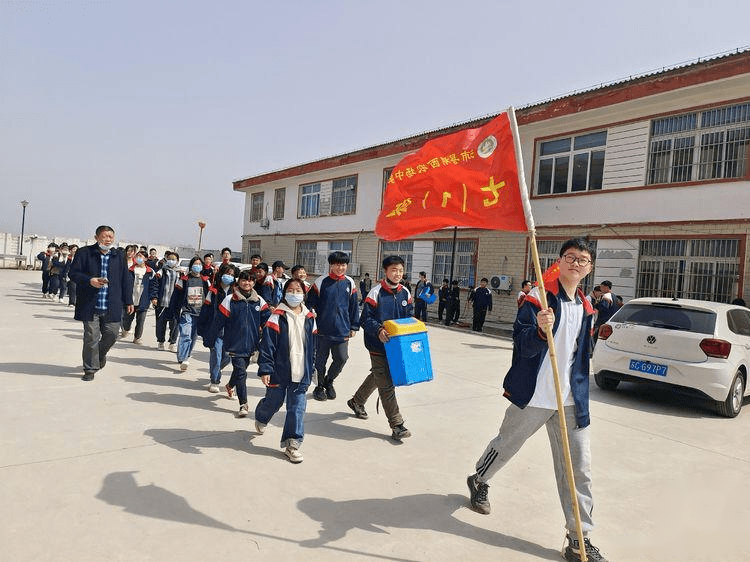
213	388
173	347
243	411
293	455
184	365
124	334
137	341
59	299
260	427
160	345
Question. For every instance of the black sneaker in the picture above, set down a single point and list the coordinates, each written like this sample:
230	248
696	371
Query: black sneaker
572	552
320	394
88	376
478	495
400	432
359	411
330	391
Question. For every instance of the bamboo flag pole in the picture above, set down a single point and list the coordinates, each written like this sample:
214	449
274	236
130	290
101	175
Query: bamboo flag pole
548	333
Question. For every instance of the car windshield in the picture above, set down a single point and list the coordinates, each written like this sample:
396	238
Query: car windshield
672	317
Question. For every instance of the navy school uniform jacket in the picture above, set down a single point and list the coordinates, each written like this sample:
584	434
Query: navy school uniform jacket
214	297
46	261
166	277
530	348
271	290
87	265
150	288
274	348
183	297
241	319
60	266
383	303
482	298
335	302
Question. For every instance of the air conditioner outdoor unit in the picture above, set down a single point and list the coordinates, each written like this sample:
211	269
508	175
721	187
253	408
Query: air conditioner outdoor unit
501	282
353	269
265	223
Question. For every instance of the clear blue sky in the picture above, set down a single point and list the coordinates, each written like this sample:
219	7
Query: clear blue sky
139	114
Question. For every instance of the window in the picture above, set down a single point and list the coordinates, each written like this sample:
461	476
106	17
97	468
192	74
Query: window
464	269
279	199
306	254
340	246
739	321
344	196
253	247
386	177
673	315
309	205
571	164
703	269
701	145
403	248
256	207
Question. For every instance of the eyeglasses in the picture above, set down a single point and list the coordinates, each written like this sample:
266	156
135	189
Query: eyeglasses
570	258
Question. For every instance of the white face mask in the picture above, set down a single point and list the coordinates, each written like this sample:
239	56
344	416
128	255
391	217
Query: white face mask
294	299
171	263
105	247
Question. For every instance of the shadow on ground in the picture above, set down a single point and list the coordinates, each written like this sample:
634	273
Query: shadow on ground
41	369
656	399
429	512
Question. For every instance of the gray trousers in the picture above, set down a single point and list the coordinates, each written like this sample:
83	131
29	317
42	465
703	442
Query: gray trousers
380	378
517	427
98	337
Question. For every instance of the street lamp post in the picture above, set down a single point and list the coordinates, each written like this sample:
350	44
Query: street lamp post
24	203
201	225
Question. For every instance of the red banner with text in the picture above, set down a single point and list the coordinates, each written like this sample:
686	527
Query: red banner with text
469	179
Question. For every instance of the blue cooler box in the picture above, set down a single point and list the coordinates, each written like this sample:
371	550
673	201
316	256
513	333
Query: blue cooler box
408	351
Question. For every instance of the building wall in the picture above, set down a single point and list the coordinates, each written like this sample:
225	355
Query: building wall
617	217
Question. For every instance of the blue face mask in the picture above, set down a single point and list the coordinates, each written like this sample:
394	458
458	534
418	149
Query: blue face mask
227	279
294	299
197	268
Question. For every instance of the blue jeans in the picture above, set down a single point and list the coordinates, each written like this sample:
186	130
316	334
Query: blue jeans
187	329
340	353
217	360
296	403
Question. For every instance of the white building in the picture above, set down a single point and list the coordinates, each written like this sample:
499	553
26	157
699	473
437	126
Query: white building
653	170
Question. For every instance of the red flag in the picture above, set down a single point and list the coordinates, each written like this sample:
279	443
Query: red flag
468	178
552	274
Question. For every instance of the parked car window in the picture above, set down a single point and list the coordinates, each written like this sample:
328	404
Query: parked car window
739	321
673	317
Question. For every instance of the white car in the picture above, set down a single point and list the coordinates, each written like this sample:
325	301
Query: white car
698	347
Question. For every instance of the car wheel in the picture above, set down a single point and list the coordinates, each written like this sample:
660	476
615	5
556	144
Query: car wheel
605	383
730	407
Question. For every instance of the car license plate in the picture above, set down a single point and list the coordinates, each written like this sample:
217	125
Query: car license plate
648	367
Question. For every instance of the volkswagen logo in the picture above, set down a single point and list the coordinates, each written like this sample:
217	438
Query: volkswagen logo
651	339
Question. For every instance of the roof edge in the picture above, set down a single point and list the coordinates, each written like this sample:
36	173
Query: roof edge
702	70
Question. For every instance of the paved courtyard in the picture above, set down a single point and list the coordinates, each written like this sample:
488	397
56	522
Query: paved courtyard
144	464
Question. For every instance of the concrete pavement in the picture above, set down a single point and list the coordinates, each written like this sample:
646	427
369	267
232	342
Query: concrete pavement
144	464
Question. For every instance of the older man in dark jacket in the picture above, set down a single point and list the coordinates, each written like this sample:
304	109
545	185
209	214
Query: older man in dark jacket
103	288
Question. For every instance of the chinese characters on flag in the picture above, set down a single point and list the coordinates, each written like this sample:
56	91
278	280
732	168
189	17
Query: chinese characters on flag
468	178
